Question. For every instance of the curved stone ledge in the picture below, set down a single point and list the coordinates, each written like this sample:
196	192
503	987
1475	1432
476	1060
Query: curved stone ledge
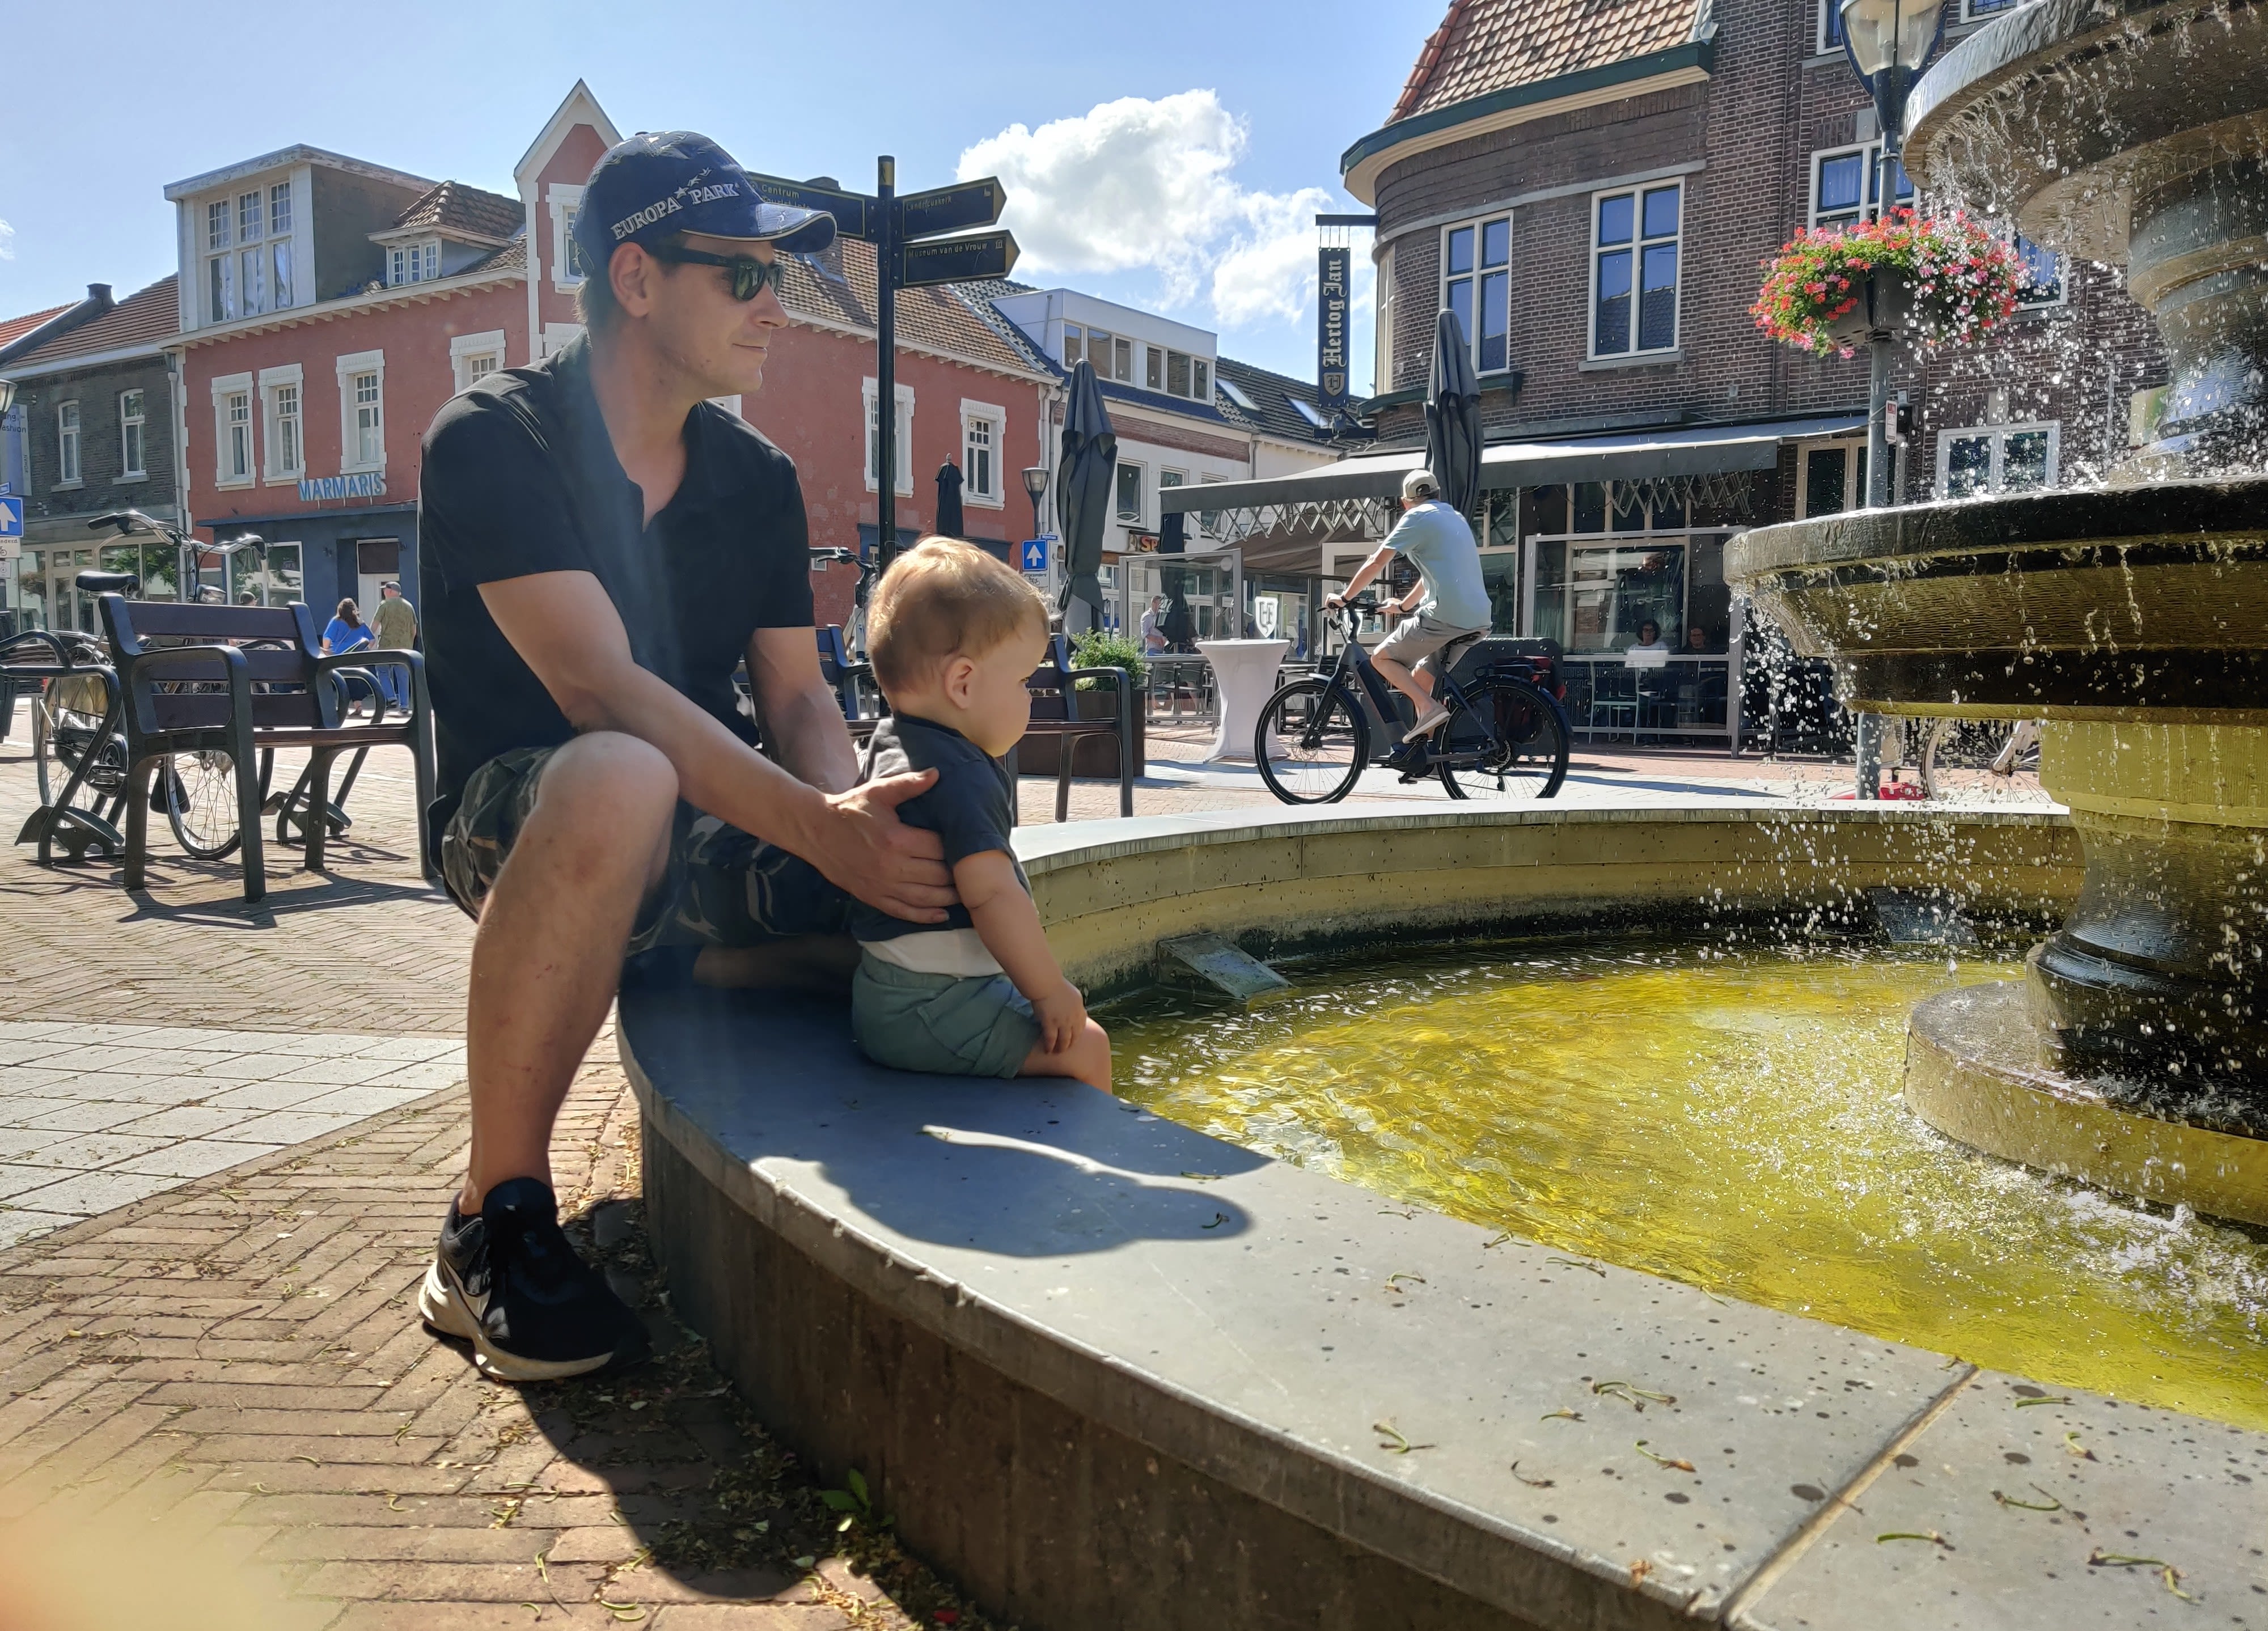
1109	1372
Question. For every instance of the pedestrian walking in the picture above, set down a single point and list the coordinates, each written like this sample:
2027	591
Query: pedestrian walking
394	623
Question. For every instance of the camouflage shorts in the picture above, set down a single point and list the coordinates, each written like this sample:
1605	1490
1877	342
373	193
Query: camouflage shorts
724	888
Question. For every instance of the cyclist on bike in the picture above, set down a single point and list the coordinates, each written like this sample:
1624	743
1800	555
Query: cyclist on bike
1449	602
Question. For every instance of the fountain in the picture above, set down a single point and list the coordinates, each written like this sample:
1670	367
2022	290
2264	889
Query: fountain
2133	619
1110	1367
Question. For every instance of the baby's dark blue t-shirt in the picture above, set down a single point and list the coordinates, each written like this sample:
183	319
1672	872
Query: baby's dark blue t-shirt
969	808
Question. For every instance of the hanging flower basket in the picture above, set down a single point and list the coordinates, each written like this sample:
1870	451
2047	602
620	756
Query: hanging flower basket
1947	279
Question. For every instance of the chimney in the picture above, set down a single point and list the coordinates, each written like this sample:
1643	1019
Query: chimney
100	293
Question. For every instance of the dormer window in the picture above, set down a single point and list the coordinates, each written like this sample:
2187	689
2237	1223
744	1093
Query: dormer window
413	263
1177	373
1112	355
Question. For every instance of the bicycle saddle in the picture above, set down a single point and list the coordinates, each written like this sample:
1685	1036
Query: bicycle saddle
107	584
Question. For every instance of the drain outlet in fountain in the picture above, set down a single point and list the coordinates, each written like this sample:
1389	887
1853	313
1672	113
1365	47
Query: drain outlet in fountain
2133	619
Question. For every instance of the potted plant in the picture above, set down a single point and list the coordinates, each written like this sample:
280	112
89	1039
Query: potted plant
1945	277
1095	755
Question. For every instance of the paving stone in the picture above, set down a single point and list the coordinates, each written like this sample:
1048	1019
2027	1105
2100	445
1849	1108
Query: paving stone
288	1126
750	1617
86	1194
474	1617
418	1581
88	1153
195	1157
81	1116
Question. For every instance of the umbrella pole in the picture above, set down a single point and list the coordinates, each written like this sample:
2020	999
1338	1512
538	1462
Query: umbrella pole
886	370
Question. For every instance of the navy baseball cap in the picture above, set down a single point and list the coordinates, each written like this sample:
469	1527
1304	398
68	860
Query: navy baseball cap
651	185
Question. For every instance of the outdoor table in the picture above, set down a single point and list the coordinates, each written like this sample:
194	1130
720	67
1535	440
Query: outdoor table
1244	676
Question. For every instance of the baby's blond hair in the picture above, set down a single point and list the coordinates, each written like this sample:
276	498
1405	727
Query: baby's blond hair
944	598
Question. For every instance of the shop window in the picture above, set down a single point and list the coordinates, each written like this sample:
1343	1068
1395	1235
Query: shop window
1830	478
1997	459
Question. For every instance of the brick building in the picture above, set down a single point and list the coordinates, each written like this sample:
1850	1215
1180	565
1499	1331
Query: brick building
97	401
1592	189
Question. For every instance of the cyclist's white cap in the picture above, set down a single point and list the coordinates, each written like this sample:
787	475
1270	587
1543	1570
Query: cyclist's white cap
1419	484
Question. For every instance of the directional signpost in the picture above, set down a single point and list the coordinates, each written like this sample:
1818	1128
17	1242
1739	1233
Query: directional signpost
11	516
915	247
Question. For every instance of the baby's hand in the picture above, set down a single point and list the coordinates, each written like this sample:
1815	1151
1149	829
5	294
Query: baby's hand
1061	1014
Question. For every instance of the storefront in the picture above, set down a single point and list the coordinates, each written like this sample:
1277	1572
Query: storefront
323	556
1611	546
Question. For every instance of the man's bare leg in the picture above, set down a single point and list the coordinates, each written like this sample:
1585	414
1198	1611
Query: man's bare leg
549	952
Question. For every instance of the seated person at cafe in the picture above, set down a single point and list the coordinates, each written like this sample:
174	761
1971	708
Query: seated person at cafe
1649	637
1697	641
953	634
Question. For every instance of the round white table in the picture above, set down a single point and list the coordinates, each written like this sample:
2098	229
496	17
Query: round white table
1243	678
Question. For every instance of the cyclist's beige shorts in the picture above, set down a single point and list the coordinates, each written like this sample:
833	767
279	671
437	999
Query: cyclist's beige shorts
1417	637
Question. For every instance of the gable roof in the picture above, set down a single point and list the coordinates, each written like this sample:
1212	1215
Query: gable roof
1484	46
465	211
14	328
143	321
1272	396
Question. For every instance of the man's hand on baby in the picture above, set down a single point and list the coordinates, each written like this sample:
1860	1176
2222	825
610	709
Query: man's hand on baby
1061	1014
868	852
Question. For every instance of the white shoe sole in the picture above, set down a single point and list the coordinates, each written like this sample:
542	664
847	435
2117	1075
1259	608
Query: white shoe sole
442	1305
1427	726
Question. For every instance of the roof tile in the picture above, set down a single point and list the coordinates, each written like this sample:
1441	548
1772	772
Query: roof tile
1492	45
148	317
454	207
15	328
935	318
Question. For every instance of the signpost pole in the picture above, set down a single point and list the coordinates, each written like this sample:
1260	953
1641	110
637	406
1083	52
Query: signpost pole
885	373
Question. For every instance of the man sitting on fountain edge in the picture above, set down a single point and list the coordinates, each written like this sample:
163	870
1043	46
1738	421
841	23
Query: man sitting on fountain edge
602	545
1451	600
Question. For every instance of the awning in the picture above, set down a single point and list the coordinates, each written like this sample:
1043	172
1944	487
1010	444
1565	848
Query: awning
1636	456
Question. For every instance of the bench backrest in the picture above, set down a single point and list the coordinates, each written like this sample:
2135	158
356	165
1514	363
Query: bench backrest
190	693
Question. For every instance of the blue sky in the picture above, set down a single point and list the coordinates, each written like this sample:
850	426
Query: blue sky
1168	155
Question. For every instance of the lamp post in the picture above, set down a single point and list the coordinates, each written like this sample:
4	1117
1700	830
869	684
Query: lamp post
1036	483
1887	42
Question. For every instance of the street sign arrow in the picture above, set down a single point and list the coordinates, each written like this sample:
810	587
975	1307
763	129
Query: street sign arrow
944	209
11	517
957	260
853	212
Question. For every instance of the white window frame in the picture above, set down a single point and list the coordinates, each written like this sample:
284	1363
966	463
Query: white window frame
2063	275
226	389
868	389
70	445
273	382
1820	45
1969	13
1209	521
350	367
419	262
1871	154
559	336
1134	523
1996	479
464	348
564	200
134	436
989	413
1478	226
1853	496
1639	244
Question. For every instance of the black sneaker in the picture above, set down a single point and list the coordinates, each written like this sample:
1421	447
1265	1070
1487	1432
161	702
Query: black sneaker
509	1283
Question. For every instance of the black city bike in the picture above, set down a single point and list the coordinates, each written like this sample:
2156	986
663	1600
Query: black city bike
1505	736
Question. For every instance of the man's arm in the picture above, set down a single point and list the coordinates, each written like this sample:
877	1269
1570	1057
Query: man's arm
1363	575
566	629
799	709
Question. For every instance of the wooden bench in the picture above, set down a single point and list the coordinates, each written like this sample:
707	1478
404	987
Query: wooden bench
1055	713
238	680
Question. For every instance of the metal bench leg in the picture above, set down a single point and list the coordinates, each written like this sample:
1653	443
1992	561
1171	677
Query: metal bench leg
1067	747
318	806
137	795
1125	751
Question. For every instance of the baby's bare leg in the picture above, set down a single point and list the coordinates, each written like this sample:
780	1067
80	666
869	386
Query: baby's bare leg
1087	1060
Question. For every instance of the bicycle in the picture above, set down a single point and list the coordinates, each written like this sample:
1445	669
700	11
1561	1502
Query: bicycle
1505	736
854	632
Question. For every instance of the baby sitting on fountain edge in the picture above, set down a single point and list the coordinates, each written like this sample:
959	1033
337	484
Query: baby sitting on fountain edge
953	634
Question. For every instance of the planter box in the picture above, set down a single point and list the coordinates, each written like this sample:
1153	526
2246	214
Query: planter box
1885	305
1093	757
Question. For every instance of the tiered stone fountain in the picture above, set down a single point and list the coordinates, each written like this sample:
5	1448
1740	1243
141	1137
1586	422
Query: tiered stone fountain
2133	618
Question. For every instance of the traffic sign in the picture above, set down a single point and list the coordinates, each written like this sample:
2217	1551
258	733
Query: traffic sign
11	516
951	208
955	259
853	213
1035	555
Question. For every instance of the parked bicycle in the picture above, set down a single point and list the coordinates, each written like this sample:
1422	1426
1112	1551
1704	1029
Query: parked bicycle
854	630
1505	737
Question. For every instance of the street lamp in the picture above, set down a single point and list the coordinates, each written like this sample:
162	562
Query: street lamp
1887	42
1036	483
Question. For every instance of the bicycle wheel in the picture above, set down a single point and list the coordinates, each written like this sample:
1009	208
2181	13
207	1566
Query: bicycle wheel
1511	742
200	790
67	719
1312	742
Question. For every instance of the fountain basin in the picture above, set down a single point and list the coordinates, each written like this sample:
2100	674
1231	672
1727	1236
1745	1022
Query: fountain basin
1109	1372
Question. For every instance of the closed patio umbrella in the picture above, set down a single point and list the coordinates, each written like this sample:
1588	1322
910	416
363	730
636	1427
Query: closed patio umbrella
1090	462
1453	418
948	500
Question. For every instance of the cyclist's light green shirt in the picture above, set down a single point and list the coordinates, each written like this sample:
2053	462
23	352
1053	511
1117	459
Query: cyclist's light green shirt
1440	541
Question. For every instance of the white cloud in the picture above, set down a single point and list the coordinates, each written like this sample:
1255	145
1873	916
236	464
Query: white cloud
7	241
1135	183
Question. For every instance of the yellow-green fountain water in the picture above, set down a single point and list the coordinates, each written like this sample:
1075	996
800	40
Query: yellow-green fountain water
1728	1116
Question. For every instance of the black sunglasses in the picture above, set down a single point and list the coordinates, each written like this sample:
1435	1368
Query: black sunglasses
749	275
